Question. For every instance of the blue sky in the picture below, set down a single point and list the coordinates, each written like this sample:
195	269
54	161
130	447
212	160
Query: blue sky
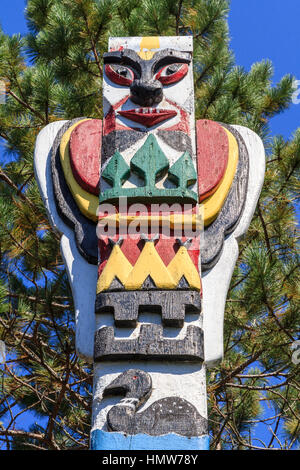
269	29
259	29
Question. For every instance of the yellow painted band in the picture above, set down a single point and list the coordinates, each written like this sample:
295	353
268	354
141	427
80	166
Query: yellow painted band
182	265
88	203
173	221
213	204
116	266
149	43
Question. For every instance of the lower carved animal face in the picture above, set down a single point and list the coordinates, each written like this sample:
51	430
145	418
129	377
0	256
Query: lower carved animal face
145	84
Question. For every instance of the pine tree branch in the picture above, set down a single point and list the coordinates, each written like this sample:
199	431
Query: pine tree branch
178	17
21	412
25	384
27	106
4	177
50	427
261	375
220	385
19	433
207	26
267	239
263	388
39	301
18	244
76	441
35	358
276	428
93	45
52	352
294	167
277	393
274	316
238	436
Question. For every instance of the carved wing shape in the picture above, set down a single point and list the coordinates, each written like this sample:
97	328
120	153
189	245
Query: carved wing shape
223	166
77	246
216	280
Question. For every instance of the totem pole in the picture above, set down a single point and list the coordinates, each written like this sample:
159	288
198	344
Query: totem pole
150	206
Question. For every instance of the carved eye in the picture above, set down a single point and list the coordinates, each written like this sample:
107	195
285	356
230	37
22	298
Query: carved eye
119	74
172	73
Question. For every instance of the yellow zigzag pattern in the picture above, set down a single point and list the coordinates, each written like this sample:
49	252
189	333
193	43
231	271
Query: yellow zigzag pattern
116	266
182	265
149	263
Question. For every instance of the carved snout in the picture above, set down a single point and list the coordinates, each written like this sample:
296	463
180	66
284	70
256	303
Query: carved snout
116	387
133	383
146	92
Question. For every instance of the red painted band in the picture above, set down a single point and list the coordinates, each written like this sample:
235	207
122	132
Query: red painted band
212	156
132	246
85	152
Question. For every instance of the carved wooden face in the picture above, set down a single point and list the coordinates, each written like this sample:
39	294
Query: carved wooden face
146	94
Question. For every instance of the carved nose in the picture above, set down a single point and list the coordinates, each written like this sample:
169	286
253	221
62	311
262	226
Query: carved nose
146	93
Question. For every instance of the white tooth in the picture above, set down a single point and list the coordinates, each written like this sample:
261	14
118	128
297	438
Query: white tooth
145	110
158	111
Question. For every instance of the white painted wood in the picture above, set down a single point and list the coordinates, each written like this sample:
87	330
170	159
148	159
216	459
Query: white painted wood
180	43
216	281
179	95
169	379
82	275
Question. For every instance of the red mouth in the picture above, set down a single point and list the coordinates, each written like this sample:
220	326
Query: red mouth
148	116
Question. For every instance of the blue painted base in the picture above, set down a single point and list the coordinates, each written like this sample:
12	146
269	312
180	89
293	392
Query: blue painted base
101	440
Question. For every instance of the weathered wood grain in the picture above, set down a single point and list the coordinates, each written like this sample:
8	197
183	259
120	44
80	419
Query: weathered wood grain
127	305
149	345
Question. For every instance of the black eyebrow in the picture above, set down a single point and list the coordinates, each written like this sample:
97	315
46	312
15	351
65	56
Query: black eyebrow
124	57
159	59
170	56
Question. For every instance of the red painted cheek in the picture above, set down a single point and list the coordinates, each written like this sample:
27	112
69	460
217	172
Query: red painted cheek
109	121
183	123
